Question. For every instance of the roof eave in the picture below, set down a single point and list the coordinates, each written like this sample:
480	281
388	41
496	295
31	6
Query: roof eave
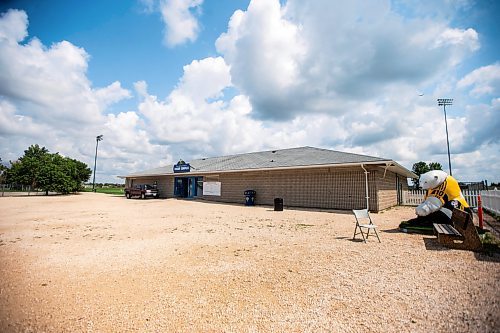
387	163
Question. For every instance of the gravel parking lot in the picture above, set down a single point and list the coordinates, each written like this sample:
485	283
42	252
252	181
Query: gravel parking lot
101	263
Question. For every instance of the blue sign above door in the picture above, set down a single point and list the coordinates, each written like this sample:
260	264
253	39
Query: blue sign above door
184	167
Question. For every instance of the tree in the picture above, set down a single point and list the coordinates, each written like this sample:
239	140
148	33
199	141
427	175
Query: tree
79	172
435	166
421	167
3	171
26	170
48	172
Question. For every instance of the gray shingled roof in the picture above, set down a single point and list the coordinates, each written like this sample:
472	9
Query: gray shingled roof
283	158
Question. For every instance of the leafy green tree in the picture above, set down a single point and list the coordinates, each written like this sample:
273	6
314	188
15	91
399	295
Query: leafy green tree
49	172
3	172
421	167
26	170
80	173
435	166
54	176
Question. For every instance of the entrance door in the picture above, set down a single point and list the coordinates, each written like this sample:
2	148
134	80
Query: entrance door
180	187
191	187
185	187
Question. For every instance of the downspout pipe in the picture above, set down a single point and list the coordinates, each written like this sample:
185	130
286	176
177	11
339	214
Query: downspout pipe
366	185
387	165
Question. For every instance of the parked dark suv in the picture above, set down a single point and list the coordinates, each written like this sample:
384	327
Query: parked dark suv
142	191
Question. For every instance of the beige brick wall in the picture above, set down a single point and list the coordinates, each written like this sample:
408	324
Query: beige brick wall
387	192
328	188
332	188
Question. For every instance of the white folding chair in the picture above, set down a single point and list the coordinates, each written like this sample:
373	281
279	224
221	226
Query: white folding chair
363	215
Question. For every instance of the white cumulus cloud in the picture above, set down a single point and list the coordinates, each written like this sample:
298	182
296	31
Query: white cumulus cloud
205	78
47	98
484	80
194	111
467	37
181	23
111	94
317	56
13	26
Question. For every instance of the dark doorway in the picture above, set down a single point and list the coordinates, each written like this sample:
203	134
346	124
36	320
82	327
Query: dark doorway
187	187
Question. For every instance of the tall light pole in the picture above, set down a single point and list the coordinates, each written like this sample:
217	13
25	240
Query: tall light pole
444	102
97	139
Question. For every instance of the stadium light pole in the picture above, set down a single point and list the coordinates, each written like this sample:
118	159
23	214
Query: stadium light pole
97	139
444	102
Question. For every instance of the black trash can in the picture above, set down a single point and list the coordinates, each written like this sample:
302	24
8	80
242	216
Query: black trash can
278	204
250	197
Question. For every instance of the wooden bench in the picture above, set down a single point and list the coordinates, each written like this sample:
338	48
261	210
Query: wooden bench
462	234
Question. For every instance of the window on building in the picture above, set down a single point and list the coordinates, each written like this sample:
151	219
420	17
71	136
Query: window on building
199	186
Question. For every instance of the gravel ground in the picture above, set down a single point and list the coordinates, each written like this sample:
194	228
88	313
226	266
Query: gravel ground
100	263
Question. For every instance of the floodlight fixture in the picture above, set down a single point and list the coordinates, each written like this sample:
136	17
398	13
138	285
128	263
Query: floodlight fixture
445	101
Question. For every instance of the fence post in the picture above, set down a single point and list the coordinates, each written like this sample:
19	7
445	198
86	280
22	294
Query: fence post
471	197
480	211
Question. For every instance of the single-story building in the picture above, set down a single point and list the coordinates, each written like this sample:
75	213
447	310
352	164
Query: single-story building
302	177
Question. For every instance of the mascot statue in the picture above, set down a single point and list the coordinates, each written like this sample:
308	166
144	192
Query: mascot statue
443	194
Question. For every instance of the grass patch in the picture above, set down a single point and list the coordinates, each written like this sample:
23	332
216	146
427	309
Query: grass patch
416	229
115	191
490	242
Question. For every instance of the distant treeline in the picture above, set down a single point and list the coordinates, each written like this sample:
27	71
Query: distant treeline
106	185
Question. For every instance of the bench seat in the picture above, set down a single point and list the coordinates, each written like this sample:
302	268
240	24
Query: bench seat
446	229
447	234
461	235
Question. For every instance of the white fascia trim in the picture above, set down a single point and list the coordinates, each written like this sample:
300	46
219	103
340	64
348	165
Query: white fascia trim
316	166
403	171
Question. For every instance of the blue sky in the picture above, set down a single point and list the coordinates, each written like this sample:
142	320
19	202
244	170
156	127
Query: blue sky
122	35
171	79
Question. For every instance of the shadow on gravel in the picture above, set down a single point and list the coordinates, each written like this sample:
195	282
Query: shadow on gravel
432	244
392	231
487	256
29	194
357	240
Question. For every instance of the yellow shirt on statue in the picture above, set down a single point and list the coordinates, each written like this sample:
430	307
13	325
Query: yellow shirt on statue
449	194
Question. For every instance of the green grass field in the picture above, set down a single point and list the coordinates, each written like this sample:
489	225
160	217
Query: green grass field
115	191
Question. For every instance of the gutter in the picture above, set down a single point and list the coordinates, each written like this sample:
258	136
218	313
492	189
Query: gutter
366	186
